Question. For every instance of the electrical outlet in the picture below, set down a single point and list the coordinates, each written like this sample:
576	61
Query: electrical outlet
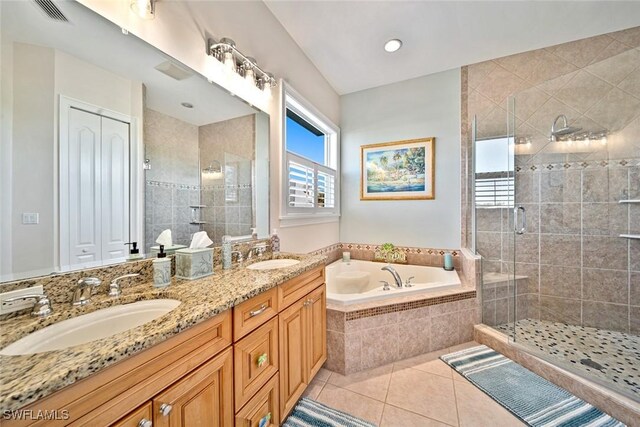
30	218
10	307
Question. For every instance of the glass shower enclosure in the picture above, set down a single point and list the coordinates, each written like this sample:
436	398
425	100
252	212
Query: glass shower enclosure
556	208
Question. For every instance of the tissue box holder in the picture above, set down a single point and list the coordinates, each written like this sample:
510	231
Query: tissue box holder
169	250
194	263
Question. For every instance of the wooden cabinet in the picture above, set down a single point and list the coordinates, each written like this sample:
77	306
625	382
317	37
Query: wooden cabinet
202	398
141	417
241	366
256	360
292	324
303	345
264	404
317	330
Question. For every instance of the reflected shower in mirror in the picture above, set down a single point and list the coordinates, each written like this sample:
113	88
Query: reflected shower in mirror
106	141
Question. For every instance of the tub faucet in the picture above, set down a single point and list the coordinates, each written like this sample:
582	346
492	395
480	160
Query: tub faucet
394	273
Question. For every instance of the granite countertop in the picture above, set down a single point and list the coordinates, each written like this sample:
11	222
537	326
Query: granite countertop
25	379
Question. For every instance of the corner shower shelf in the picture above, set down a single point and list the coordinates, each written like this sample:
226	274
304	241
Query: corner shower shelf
630	236
204	206
198	222
630	201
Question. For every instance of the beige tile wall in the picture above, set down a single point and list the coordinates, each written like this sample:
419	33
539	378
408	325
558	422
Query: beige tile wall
578	270
369	342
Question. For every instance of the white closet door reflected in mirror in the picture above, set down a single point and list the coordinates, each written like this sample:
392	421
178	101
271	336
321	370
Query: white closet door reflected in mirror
94	195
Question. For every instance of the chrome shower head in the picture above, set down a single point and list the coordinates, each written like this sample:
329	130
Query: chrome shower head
565	130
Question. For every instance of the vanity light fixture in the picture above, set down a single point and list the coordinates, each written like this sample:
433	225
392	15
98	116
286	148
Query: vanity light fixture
226	52
393	45
145	9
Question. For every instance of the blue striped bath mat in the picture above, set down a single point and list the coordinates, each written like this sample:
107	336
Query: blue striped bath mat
309	413
528	396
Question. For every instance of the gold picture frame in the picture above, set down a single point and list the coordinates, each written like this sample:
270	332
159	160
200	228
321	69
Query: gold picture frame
399	170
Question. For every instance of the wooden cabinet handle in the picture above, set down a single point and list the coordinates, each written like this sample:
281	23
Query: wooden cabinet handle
145	423
165	409
261	310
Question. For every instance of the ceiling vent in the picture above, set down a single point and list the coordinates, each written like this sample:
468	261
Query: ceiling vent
51	10
174	71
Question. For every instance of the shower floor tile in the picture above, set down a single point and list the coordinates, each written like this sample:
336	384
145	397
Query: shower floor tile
612	357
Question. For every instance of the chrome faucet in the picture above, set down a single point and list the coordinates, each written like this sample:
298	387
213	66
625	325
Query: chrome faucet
85	289
257	250
41	306
394	273
114	287
239	256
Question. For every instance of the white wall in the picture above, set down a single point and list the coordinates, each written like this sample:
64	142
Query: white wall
422	107
180	29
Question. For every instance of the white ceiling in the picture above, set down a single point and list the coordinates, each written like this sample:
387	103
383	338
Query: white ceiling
345	39
93	39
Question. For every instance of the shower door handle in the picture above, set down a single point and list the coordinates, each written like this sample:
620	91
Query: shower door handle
523	225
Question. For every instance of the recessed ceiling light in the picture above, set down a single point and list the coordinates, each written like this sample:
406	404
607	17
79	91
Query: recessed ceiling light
393	45
186	105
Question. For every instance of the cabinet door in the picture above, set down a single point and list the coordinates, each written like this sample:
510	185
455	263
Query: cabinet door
293	349
316	308
141	417
203	398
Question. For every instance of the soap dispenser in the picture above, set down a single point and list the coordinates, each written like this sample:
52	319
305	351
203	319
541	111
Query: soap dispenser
275	241
161	269
134	252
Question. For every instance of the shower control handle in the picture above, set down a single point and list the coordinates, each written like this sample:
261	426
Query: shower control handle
520	228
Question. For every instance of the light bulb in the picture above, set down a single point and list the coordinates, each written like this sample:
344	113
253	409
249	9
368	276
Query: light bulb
250	76
229	61
570	141
528	144
603	140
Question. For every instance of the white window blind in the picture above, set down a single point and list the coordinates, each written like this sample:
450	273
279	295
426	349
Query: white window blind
312	187
494	192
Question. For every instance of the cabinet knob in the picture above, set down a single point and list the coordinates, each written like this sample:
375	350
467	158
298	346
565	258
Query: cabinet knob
145	423
165	409
262	360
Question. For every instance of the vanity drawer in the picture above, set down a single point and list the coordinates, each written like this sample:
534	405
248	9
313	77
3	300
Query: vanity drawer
137	417
252	313
255	361
291	291
265	402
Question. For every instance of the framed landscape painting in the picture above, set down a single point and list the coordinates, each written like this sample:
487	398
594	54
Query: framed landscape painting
402	170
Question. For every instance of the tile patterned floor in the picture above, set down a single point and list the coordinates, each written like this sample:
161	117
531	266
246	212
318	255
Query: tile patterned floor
422	392
616	354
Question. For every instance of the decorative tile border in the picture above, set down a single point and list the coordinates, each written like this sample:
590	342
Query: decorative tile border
193	187
373	248
594	164
404	306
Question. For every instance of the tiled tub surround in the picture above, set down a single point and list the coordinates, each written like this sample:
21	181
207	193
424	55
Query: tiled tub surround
374	333
620	406
24	379
579	271
369	337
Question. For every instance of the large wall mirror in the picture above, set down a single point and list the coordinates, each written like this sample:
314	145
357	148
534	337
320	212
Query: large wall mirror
106	140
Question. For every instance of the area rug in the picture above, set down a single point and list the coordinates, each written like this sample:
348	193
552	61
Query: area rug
528	396
309	413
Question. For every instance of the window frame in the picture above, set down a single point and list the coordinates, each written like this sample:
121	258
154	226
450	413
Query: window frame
295	216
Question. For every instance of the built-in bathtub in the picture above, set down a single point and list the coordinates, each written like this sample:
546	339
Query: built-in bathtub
358	281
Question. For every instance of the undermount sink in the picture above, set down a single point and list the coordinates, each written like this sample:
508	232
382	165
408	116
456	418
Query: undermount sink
90	327
272	264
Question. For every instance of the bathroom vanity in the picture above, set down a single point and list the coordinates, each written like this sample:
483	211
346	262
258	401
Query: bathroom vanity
242	346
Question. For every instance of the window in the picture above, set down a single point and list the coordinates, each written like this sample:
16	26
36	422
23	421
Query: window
494	186
310	173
